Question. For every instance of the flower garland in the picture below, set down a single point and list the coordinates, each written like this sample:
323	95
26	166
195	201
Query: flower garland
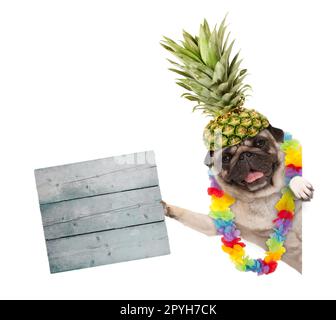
224	218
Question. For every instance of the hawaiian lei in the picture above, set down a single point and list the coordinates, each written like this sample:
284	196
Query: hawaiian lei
224	218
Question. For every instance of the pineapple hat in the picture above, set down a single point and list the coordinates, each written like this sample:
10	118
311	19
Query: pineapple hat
215	82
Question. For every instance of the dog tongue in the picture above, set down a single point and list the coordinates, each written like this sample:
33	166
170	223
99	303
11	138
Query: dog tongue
253	176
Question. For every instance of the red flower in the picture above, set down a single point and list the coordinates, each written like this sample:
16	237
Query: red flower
230	244
215	192
283	214
291	166
272	266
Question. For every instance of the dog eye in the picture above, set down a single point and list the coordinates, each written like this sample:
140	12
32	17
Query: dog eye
260	143
226	158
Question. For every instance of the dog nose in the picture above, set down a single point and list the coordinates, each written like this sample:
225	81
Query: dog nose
245	154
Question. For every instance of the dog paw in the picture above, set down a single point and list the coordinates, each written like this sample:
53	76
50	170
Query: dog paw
166	210
301	188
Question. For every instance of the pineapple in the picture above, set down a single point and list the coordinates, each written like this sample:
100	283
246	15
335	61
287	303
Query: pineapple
215	81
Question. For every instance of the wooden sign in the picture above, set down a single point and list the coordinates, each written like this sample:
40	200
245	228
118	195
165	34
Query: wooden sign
102	211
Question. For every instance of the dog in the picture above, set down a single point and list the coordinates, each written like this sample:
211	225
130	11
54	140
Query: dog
253	173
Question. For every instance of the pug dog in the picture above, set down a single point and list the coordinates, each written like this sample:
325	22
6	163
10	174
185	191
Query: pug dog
253	173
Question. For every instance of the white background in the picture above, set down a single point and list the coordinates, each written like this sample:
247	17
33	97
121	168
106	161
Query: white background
82	80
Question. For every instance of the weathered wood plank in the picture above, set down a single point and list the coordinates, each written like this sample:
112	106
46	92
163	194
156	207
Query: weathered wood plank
71	210
104	212
91	178
106	247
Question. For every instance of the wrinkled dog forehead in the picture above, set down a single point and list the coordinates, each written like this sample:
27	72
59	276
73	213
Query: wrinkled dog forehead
249	144
272	135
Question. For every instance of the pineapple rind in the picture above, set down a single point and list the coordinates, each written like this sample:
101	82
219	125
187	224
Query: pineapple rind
223	132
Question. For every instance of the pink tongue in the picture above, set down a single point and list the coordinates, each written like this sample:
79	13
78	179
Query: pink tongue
253	176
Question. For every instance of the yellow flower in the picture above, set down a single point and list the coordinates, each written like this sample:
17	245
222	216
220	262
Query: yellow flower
222	203
294	157
237	254
286	202
275	256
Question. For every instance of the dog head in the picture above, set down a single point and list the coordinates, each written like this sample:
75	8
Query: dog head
252	167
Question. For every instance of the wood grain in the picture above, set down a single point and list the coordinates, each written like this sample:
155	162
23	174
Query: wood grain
106	247
111	211
91	178
102	211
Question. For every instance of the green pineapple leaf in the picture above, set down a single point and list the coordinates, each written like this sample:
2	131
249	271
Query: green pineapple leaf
211	76
221	33
182	73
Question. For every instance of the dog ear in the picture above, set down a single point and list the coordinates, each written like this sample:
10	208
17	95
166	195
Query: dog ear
208	161
278	134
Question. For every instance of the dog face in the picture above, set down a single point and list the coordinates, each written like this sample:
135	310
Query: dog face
249	166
